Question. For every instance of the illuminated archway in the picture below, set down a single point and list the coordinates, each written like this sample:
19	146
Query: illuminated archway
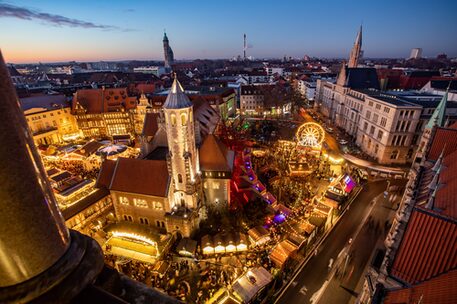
310	134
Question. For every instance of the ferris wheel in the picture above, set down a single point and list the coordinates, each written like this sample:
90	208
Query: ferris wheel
310	134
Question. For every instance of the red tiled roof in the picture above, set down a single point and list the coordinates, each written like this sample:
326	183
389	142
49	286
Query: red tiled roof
148	177
446	197
439	290
97	101
146	88
428	248
150	124
214	155
106	174
444	138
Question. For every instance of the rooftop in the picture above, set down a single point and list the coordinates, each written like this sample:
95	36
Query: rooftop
148	177
427	249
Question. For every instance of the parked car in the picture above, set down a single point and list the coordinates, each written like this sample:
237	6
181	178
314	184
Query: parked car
343	142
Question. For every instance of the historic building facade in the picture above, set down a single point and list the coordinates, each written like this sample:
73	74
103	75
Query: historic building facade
416	252
49	118
178	173
385	125
104	113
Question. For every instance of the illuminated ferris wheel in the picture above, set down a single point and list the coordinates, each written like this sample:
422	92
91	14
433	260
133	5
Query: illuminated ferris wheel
310	134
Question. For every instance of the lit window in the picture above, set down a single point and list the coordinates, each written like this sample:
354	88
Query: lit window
140	203
158	206
216	185
123	200
183	119
173	120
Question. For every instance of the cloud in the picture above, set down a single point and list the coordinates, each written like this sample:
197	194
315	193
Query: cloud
7	10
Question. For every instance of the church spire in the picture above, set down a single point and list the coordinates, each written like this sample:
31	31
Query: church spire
356	52
438	116
431	201
437	166
176	98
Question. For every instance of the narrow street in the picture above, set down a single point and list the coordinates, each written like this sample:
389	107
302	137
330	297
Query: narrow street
312	283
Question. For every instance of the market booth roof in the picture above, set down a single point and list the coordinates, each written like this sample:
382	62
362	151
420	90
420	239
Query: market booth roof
282	252
259	235
251	283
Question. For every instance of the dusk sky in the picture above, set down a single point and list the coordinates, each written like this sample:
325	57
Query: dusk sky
84	30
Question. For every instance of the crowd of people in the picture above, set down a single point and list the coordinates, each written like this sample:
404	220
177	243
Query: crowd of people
189	280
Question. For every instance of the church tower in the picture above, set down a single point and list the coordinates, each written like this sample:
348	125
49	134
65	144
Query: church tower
437	120
356	52
183	153
168	52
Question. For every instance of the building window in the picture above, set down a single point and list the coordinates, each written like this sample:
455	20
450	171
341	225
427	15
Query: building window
372	129
409	154
216	185
368	115
380	134
140	203
173	120
394	154
378	106
386	109
179	178
123	200
158	206
183	119
383	121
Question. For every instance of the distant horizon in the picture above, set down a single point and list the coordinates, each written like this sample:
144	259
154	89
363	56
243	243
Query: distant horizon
211	59
50	31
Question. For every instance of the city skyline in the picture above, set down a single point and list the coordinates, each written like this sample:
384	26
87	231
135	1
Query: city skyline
57	33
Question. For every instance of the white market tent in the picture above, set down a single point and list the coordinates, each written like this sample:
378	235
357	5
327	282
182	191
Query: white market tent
247	286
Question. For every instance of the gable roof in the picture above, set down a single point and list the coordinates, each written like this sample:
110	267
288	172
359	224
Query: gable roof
437	290
445	138
150	126
428	248
141	176
214	155
106	174
96	101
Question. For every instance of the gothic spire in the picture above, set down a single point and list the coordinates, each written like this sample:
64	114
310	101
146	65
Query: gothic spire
437	165
431	201
356	51
176	98
435	182
438	116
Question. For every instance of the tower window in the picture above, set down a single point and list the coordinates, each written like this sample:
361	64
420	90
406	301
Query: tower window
180	178
183	119
173	120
